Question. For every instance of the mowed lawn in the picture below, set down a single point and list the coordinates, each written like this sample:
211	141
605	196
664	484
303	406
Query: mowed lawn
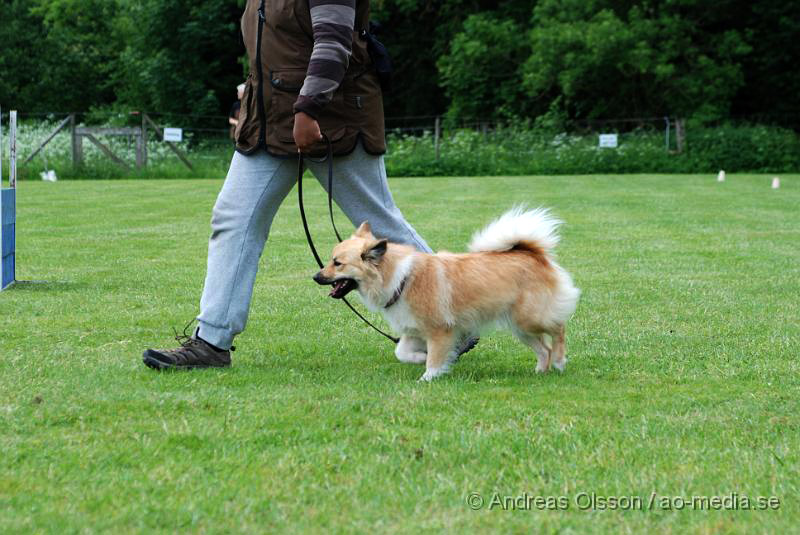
682	380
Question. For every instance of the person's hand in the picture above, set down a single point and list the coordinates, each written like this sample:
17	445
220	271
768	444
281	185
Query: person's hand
306	131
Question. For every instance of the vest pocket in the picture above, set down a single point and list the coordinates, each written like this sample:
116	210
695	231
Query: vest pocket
287	81
363	104
285	87
247	130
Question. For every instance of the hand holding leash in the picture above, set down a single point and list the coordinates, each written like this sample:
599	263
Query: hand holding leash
306	131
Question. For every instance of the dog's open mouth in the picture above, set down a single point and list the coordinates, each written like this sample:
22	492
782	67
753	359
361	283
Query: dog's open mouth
342	287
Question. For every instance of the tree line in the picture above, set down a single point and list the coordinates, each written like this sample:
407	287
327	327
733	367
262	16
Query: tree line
466	59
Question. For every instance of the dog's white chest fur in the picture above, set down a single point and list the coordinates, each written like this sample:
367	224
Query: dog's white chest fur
398	315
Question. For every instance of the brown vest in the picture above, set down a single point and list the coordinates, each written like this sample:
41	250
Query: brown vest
279	40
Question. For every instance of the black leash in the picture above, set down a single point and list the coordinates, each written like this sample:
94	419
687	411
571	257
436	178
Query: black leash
300	170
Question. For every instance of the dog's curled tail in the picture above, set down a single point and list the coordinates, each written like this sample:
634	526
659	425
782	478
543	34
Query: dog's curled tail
520	228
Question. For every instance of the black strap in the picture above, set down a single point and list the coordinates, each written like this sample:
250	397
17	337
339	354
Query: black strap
330	186
397	293
300	170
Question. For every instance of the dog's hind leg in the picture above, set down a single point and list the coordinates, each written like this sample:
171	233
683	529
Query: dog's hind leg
527	330
440	354
543	352
411	350
559	352
534	340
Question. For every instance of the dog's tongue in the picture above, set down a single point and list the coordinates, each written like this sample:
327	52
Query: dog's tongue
336	287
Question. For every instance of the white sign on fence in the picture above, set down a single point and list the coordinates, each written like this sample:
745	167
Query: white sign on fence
609	141
173	134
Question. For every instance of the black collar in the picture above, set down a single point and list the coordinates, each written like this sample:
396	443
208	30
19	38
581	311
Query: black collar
397	293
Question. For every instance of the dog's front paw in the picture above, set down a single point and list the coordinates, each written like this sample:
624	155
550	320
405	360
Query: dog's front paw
432	373
544	367
413	358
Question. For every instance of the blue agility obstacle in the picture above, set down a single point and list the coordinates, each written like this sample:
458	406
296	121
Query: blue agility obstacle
8	236
8	207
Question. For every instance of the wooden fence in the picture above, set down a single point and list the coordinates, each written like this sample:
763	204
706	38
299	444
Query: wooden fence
95	135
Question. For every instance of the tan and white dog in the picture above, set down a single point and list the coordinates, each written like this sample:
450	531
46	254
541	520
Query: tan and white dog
433	300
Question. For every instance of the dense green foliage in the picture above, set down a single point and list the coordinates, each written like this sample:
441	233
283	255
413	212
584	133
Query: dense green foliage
682	376
605	58
78	55
472	58
56	56
518	151
579	50
179	56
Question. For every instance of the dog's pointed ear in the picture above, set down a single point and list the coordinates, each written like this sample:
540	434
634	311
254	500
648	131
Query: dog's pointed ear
374	252
364	231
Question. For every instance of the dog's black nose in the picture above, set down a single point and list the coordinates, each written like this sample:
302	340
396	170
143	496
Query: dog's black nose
320	279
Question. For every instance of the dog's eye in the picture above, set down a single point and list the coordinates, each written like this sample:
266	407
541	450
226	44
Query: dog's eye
336	263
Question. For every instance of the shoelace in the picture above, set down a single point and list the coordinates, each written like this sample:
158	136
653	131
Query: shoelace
186	340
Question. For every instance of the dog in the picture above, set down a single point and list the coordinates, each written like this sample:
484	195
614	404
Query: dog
509	277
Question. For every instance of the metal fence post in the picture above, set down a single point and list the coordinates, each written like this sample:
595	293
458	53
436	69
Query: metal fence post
77	143
139	150
680	134
437	134
144	141
13	149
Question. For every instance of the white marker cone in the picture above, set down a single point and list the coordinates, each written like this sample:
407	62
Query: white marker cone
721	176
776	183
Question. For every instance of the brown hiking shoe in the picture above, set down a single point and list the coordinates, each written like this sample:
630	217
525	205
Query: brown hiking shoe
193	353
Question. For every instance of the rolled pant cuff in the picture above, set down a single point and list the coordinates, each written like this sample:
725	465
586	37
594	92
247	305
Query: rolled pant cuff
216	336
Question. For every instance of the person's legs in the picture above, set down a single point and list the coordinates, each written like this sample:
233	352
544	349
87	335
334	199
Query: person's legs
253	190
362	192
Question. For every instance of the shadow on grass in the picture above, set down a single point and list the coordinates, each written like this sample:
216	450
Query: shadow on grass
46	286
470	370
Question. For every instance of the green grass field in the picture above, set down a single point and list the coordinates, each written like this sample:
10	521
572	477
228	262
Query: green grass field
682	378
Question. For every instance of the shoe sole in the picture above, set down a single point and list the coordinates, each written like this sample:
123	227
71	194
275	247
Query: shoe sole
469	347
150	359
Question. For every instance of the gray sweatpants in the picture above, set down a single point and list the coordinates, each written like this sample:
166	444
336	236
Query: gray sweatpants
253	190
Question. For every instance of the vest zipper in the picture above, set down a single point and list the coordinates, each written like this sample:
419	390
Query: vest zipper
262	134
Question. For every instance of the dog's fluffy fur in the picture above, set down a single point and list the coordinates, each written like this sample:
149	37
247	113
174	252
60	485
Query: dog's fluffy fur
509	277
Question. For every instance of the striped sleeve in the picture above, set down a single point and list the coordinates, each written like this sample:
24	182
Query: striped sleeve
333	22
